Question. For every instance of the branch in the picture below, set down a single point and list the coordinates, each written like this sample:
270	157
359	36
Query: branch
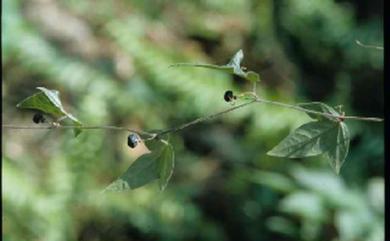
156	134
151	135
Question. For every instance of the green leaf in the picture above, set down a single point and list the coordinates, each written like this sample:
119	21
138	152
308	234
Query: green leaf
304	141
48	101
233	67
315	138
320	107
155	145
157	164
166	163
142	171
49	104
336	144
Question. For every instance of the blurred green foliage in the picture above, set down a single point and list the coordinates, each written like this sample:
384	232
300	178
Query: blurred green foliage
109	60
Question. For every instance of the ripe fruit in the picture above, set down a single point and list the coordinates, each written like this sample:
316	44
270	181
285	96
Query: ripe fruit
228	96
38	118
133	140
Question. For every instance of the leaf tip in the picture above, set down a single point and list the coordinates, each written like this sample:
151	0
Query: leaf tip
272	153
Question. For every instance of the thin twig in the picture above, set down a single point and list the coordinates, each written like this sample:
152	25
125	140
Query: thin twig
298	108
368	46
198	120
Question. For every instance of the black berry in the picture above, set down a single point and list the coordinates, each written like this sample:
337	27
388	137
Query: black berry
228	96
133	140
38	118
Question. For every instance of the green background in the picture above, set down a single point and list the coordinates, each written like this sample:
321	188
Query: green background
109	60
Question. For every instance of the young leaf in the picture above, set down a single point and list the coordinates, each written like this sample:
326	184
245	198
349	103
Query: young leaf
48	101
233	67
320	107
142	171
336	145
165	165
304	141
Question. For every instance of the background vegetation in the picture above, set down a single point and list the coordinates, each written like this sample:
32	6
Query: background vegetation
109	60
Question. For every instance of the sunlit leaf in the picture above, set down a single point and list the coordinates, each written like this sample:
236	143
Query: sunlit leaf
48	101
233	67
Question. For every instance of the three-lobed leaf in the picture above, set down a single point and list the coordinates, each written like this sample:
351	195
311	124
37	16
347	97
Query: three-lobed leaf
48	101
315	138
233	67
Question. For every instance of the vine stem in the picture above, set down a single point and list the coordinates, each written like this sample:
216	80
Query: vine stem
202	119
156	134
56	126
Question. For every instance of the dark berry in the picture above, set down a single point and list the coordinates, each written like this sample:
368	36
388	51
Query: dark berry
133	140
228	96
38	118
